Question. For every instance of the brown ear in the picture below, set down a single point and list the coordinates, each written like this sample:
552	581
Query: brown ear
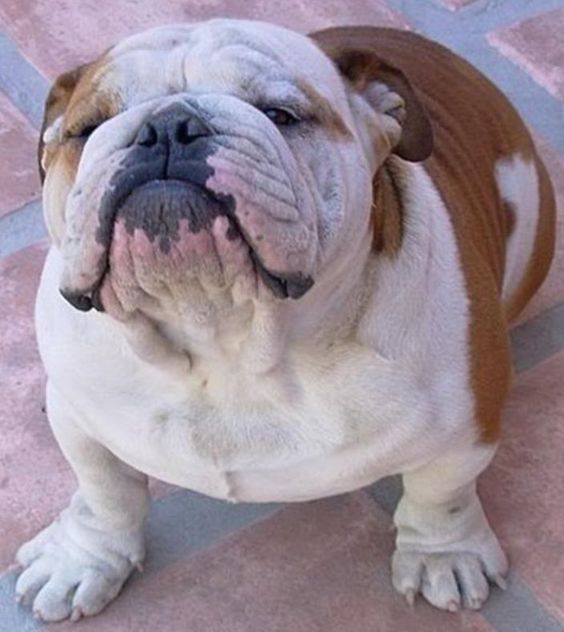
56	104
385	87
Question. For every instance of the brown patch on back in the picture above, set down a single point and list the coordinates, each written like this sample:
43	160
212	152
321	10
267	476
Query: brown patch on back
474	126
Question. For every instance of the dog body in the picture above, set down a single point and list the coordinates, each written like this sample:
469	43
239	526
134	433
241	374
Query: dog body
330	415
330	310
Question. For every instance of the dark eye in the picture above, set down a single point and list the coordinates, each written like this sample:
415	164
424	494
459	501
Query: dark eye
87	131
281	117
82	133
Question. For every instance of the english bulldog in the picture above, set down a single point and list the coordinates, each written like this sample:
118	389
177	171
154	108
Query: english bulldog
283	267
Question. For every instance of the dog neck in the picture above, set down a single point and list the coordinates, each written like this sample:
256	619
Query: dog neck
257	337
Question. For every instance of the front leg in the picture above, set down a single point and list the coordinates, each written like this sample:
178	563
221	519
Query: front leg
445	547
79	563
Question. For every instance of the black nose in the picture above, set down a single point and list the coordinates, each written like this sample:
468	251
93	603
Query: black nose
174	126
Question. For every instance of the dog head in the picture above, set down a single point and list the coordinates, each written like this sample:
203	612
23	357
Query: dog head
224	158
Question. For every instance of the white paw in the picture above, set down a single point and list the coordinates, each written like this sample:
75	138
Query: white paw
449	580
72	570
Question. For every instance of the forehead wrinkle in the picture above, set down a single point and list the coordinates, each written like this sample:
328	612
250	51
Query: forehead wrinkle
279	47
255	80
282	46
257	75
233	63
160	37
139	75
258	60
231	57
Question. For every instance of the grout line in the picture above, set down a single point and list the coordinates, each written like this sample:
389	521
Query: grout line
22	228
14	618
199	521
25	86
488	15
537	106
484	14
538	339
387	492
517	609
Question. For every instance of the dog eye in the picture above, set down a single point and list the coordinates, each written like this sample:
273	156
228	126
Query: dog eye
82	132
87	131
281	117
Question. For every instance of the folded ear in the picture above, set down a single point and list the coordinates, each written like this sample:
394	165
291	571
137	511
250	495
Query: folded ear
55	107
385	87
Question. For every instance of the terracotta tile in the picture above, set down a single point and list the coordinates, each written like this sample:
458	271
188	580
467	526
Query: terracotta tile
537	46
57	34
523	488
316	567
551	292
34	479
19	182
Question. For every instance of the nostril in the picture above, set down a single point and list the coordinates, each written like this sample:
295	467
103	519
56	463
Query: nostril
189	130
148	136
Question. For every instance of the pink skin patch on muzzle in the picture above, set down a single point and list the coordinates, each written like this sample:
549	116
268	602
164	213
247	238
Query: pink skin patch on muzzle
169	241
188	214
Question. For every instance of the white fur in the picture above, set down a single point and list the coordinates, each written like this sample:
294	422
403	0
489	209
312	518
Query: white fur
518	184
278	401
446	548
323	420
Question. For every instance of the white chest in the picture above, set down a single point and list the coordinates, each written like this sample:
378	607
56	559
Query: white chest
315	431
326	421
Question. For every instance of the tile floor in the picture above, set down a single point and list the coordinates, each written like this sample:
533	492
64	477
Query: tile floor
322	566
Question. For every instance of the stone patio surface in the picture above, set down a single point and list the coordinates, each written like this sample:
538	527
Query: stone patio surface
320	566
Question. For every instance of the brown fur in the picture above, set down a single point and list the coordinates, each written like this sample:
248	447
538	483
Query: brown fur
361	67
325	112
75	96
474	125
55	106
387	212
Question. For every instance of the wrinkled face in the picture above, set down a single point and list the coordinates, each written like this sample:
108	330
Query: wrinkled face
205	164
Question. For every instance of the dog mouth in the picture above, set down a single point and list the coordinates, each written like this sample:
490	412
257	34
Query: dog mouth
159	208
